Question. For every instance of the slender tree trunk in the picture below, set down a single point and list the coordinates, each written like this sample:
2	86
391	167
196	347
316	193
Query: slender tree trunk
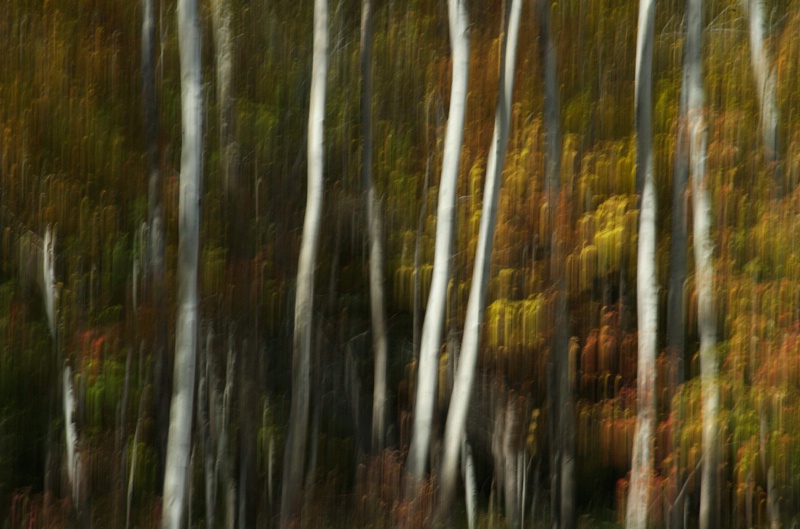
226	102
375	229
677	250
180	423
135	448
50	301
155	216
646	286
294	457
465	373
71	433
704	272
566	417
225	461
427	370
765	77
228	146
562	407
676	332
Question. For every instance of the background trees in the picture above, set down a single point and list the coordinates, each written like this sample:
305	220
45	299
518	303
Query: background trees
74	156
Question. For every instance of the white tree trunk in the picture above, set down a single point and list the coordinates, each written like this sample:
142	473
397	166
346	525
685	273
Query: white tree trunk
470	487
303	311
375	229
765	76
465	373
180	419
434	315
704	272
646	286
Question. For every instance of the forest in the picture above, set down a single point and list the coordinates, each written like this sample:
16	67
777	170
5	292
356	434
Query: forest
399	263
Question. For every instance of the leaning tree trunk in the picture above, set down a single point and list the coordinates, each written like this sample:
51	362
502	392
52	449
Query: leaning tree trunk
704	276
294	457
375	230
176	473
465	374
434	314
646	286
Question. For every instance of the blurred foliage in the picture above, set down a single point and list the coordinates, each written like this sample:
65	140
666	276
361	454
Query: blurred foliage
72	157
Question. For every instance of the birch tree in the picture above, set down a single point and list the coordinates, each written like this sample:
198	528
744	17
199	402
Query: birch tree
646	286
294	456
465	372
434	314
706	322
375	230
180	418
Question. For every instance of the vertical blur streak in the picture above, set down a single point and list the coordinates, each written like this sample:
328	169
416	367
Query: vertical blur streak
176	473
434	315
375	230
229	155
646	286
561	425
303	311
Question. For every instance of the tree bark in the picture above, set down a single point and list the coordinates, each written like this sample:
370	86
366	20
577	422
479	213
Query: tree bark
646	285
375	229
434	315
180	423
294	456
465	373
